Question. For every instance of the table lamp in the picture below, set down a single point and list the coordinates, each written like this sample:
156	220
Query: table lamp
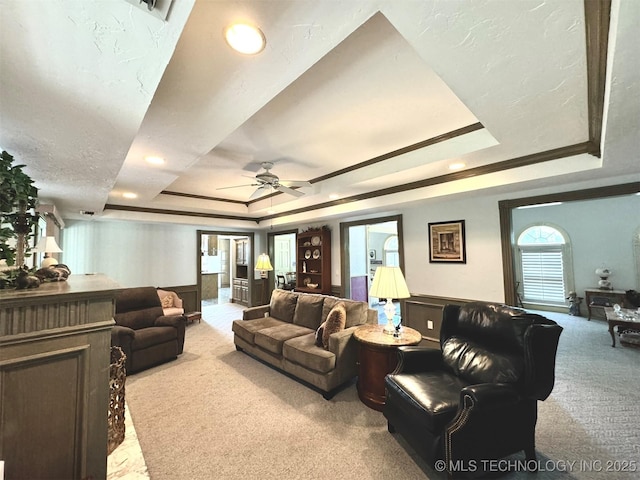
48	245
389	283
263	265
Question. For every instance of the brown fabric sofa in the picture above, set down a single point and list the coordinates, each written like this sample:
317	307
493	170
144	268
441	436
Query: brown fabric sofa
283	334
145	334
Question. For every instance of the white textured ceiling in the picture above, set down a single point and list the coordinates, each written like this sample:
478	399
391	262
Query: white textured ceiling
88	89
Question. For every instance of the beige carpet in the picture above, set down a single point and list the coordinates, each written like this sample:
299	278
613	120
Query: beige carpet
216	413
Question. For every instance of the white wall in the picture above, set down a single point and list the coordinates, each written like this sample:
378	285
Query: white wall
135	254
481	277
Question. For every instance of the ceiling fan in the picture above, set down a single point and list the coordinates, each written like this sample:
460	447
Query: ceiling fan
267	180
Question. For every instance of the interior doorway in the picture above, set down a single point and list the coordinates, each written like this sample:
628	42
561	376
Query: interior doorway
366	245
282	251
224	264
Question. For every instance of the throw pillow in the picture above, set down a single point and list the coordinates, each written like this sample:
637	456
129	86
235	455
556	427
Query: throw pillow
334	323
167	301
319	335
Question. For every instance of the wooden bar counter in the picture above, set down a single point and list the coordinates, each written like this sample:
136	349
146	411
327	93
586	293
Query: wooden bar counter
54	378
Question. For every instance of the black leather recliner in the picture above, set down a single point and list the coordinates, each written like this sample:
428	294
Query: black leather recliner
474	400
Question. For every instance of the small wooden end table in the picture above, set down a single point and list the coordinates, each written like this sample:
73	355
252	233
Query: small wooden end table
378	356
613	319
193	316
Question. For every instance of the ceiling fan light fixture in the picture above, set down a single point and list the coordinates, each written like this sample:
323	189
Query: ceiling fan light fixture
245	38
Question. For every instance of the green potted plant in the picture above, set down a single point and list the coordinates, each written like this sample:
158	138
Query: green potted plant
18	197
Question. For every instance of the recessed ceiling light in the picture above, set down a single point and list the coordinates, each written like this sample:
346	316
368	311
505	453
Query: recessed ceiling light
245	38
456	166
154	160
334	196
129	195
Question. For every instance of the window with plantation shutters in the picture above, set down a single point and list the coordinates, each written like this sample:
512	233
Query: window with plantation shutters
542	274
543	265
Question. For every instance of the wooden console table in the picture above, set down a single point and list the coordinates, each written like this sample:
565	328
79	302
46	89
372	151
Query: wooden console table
54	378
378	356
600	299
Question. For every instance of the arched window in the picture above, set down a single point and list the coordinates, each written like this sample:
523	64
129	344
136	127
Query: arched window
544	265
391	255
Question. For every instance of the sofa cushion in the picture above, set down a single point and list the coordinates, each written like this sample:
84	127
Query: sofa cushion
147	337
138	319
303	351
246	329
169	312
334	323
308	312
356	311
272	338
283	305
477	364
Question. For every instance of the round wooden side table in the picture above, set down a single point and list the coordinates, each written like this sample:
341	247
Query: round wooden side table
378	356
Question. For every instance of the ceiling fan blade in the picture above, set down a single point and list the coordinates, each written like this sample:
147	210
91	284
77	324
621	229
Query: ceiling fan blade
295	183
239	186
256	193
290	191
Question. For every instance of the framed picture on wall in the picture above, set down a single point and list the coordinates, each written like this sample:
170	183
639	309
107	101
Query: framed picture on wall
447	242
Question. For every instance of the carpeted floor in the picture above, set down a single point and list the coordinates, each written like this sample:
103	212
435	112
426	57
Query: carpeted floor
216	413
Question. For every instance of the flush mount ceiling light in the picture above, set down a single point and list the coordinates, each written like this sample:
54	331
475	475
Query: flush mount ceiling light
456	166
129	195
154	160
245	38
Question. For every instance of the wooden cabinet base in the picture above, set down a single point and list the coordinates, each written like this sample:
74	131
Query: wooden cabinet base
378	356
373	365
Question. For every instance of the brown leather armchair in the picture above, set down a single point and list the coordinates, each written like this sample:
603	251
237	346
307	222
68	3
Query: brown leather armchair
474	400
145	334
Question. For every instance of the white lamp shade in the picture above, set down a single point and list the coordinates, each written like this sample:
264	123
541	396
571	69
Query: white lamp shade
48	245
389	282
264	263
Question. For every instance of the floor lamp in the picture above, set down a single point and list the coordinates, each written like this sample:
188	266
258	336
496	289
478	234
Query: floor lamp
263	265
389	283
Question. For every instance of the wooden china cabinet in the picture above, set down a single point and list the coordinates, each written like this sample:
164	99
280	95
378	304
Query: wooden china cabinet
240	284
313	261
